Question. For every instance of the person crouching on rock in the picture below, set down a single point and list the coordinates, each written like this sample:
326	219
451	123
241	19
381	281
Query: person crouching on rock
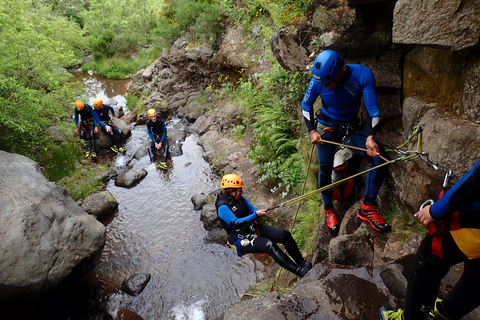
158	134
238	216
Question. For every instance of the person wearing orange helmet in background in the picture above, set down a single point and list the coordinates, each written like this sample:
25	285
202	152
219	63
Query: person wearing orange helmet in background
238	218
101	115
158	134
88	122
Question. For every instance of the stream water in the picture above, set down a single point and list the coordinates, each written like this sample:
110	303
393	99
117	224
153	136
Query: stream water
156	231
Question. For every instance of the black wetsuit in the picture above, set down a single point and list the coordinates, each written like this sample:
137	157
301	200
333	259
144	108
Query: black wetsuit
88	122
157	132
103	119
458	241
248	236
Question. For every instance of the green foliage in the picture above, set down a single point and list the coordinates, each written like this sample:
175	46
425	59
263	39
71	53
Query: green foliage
305	229
271	95
59	160
72	9
117	67
83	181
402	220
132	101
202	18
37	46
102	44
118	27
238	131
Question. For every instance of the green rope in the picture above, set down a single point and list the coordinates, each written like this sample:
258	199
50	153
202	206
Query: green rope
303	188
307	195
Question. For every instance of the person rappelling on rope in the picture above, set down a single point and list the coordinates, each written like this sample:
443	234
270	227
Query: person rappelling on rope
341	88
158	134
246	235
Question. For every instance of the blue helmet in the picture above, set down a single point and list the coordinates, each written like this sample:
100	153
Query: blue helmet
326	66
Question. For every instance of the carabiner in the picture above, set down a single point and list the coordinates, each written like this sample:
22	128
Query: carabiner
428	202
445	181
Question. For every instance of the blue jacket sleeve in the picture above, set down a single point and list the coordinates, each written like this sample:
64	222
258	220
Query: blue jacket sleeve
97	120
93	115
75	118
150	134
463	194
227	215
371	101
164	136
112	110
311	95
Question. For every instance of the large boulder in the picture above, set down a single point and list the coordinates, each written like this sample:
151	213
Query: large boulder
46	236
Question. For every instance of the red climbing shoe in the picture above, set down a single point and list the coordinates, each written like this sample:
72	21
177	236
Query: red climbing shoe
332	221
371	215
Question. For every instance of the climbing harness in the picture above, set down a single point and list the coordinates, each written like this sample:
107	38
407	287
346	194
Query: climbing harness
405	155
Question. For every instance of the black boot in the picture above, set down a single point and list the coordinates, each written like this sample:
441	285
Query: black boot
284	261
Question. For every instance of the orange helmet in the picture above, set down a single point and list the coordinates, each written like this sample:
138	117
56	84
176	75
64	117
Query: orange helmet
79	104
97	102
151	112
231	181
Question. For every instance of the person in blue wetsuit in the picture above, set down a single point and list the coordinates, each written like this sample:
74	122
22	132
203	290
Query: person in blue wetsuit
457	239
238	218
158	134
87	124
341	88
101	115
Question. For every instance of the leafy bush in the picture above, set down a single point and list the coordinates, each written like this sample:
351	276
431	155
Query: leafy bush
271	95
83	181
203	18
117	67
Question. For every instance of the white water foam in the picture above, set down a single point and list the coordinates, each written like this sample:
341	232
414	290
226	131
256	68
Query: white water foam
193	312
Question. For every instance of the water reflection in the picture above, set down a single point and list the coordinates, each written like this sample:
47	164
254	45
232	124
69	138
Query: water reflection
111	91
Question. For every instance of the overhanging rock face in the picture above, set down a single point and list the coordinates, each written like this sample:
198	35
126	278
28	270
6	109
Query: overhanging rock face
448	23
45	235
